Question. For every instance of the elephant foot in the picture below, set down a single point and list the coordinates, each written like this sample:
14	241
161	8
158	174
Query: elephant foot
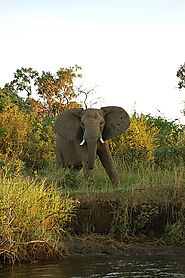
115	181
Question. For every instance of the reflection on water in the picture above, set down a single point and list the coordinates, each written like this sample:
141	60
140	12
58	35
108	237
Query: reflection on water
139	266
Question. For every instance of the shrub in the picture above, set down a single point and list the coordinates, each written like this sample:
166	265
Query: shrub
170	141
8	98
15	128
41	143
27	136
138	141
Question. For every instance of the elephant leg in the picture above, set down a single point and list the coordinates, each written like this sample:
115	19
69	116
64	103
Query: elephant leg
86	173
108	163
82	152
59	156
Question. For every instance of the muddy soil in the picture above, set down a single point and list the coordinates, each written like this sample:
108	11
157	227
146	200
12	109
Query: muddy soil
104	245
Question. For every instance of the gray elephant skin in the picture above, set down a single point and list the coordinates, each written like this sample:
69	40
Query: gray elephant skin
83	134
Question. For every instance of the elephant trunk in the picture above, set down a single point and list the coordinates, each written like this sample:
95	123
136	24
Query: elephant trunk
92	149
92	136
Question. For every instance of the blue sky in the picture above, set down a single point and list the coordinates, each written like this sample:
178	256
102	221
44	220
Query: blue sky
129	50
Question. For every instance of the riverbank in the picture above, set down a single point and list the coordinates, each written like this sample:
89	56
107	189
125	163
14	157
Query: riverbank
148	220
41	221
155	213
104	245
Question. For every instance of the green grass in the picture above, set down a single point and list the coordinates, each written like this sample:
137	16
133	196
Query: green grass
34	209
134	176
148	175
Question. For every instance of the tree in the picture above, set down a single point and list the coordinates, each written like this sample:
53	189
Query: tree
56	92
86	97
181	75
8	98
24	80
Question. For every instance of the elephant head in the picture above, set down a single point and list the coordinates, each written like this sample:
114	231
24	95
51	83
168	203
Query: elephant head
91	127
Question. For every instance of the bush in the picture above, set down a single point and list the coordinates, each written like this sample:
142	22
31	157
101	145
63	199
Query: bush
170	141
14	132
41	143
27	136
9	98
151	139
138	141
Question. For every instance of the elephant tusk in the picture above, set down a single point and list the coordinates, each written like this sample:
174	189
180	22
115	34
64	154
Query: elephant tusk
102	141
82	143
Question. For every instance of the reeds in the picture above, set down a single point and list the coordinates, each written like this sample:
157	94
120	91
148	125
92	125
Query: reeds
33	217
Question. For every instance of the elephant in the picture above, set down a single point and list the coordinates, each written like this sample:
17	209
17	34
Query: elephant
81	134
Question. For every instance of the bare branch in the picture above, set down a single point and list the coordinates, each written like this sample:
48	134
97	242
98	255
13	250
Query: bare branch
88	99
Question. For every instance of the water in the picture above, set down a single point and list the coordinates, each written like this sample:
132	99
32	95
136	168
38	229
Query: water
138	266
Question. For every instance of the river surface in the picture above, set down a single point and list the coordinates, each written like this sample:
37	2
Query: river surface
138	266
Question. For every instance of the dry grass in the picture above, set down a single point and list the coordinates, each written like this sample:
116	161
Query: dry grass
33	217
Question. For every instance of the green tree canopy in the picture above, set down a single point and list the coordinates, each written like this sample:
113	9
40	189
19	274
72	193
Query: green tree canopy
8	97
181	75
55	92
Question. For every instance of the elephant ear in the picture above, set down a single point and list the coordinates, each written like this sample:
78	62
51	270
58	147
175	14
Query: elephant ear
116	121
67	124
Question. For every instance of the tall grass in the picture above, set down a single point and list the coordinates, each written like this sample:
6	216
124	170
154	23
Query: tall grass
147	201
33	218
146	175
132	176
36	210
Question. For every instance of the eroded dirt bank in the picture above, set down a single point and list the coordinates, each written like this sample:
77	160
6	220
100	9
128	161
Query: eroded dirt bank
146	220
142	221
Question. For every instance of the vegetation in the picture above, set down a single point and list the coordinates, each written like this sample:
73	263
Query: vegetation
150	158
33	218
181	76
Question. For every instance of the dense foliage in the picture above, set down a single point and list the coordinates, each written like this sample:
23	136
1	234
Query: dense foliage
26	129
26	124
151	139
181	77
33	213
